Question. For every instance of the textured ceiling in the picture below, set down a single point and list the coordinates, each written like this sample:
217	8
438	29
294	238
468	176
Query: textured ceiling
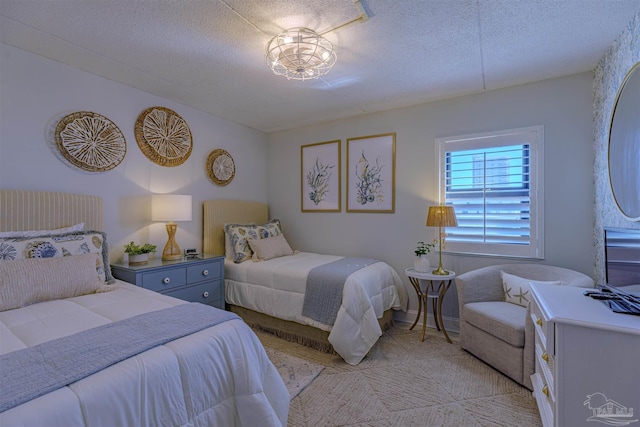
209	54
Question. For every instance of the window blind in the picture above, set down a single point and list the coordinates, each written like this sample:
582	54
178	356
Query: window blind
489	189
494	181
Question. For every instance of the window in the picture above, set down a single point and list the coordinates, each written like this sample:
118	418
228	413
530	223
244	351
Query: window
493	181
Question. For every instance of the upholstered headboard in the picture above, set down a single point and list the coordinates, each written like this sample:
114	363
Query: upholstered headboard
217	213
46	210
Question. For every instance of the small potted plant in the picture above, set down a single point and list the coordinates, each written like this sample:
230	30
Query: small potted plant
138	254
421	264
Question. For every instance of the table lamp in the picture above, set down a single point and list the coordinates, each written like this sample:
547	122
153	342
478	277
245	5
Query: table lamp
441	216
171	207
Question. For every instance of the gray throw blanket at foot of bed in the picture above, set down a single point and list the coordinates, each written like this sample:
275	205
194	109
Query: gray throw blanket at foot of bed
325	283
34	371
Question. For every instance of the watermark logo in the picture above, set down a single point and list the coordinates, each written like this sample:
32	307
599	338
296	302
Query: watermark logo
608	411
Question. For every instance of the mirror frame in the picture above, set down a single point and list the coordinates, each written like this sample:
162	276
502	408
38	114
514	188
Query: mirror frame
624	139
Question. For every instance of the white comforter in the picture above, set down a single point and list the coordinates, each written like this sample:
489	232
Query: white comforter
276	287
220	376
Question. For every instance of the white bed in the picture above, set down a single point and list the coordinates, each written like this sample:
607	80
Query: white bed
220	375
270	294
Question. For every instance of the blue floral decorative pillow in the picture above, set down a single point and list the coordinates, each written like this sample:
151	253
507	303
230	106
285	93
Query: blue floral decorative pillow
239	233
52	246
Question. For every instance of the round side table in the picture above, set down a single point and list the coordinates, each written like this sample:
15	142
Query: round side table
435	287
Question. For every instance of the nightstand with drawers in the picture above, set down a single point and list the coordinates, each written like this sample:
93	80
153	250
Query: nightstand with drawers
195	280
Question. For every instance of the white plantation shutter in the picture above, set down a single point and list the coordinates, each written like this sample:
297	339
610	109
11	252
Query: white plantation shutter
492	181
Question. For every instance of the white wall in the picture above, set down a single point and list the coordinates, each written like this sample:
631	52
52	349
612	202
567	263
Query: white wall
34	91
563	106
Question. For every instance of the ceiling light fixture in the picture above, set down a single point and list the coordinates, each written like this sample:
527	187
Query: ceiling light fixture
300	54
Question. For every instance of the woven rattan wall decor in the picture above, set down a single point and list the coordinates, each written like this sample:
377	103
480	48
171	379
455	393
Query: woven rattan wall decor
163	136
220	167
90	141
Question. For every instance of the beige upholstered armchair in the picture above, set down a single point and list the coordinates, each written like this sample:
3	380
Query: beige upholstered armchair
498	332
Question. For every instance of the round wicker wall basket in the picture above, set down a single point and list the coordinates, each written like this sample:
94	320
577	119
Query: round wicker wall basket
90	141
163	136
220	167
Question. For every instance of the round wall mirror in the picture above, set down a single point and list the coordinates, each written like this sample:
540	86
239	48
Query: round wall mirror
624	146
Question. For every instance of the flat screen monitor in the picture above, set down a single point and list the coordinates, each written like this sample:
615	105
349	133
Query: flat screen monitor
622	259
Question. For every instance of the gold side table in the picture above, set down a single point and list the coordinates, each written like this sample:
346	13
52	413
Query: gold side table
435	288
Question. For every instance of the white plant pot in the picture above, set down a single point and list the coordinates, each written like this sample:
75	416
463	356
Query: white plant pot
421	264
138	259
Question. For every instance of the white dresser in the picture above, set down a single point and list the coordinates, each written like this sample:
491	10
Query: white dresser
587	360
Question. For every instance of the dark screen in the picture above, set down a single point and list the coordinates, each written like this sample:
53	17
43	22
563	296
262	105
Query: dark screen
622	256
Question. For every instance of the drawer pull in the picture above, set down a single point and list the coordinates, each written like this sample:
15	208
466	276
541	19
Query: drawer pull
539	321
545	356
545	390
205	272
166	280
205	294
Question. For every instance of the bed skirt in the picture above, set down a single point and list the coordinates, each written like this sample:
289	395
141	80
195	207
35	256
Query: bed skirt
296	332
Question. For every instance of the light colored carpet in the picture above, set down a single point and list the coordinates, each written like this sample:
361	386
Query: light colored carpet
405	382
297	373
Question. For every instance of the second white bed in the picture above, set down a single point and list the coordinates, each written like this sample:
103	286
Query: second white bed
276	287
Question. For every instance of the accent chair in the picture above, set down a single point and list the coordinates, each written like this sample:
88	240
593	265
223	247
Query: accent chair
498	332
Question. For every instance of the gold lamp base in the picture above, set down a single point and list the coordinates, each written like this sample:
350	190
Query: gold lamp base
440	271
171	250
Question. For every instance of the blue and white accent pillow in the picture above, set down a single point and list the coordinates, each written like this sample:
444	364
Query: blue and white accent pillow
60	245
239	233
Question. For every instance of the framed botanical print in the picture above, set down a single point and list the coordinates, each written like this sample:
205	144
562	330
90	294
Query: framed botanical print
320	177
371	170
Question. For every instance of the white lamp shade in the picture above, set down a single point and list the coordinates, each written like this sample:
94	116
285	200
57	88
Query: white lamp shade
170	207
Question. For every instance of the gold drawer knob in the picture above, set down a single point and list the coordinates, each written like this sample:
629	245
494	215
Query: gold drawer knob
545	390
545	356
539	321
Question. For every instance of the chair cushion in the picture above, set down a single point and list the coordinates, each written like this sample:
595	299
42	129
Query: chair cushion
501	319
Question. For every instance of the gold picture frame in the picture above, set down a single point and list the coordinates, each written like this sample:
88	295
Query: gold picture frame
320	179
371	171
163	136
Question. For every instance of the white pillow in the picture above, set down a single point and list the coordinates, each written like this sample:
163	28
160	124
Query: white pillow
31	280
40	233
517	290
269	247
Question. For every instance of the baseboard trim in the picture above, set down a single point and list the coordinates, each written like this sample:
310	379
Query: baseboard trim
451	324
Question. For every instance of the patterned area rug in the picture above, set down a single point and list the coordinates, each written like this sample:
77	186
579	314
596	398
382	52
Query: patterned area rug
297	373
405	382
